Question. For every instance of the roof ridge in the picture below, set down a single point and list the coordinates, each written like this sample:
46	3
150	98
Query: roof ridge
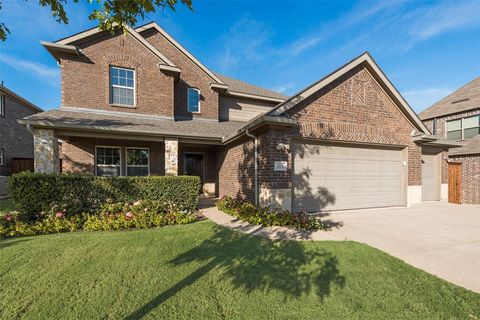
277	93
445	99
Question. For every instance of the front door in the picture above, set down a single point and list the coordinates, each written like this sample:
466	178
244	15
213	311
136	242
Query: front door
455	182
194	165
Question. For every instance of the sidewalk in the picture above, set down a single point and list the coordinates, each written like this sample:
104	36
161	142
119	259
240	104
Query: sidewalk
274	233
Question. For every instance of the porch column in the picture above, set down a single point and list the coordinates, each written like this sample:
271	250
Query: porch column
45	151
171	157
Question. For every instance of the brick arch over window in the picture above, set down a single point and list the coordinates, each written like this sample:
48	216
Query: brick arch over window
123	61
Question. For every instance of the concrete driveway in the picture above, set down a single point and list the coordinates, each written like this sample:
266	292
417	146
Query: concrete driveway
440	238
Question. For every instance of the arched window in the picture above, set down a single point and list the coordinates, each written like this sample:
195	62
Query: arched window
193	100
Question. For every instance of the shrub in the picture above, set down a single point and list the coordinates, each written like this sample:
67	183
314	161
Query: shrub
36	192
53	221
111	216
139	215
266	216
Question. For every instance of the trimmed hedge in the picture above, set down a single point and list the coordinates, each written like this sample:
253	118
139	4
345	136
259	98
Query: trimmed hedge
36	192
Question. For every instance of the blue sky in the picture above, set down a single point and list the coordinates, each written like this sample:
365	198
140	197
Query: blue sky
426	48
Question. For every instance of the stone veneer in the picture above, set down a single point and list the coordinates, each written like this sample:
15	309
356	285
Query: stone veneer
45	151
171	157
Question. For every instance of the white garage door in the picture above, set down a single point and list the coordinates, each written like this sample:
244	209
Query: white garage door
339	177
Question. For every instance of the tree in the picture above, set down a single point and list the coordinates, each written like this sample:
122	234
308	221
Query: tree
112	14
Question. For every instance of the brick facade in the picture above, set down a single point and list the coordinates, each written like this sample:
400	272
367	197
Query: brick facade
441	126
191	76
470	178
15	139
236	169
470	163
354	108
79	154
86	81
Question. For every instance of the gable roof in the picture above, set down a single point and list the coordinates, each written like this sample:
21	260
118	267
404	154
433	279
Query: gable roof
22	100
463	99
179	47
238	86
366	60
66	44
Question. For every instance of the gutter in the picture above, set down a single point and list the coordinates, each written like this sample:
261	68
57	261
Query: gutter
256	122
256	163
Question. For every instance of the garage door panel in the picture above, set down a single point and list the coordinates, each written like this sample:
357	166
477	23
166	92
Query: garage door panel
354	177
430	178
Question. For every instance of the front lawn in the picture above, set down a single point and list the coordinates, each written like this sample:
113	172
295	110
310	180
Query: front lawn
202	271
6	205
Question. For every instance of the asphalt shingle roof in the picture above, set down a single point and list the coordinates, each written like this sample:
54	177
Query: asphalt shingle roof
244	87
472	146
465	98
134	124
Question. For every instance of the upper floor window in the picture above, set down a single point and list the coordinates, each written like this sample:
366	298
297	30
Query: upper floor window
2	105
461	129
122	86
193	100
2	157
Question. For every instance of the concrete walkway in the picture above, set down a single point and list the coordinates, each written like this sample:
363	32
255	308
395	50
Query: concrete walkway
440	238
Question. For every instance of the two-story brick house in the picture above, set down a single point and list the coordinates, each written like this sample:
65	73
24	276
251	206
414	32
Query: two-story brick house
457	117
140	104
15	140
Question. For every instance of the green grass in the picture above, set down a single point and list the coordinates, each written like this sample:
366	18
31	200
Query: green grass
6	205
202	271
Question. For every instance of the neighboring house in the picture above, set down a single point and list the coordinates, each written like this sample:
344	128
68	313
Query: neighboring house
457	117
138	103
15	140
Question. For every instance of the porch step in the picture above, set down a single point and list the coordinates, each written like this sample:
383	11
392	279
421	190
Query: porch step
206	202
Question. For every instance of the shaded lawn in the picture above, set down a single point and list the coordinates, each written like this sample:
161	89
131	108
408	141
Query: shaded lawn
6	205
201	271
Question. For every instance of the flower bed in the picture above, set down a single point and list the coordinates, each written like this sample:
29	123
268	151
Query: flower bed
268	217
110	216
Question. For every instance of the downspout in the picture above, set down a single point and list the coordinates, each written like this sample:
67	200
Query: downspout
256	163
29	128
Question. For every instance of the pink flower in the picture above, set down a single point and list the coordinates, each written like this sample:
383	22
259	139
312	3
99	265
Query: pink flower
8	218
59	214
128	215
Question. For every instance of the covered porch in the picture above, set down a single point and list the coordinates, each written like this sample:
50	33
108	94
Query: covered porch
127	146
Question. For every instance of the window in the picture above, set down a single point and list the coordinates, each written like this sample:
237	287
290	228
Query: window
193	100
122	86
138	162
108	161
2	105
2	157
461	129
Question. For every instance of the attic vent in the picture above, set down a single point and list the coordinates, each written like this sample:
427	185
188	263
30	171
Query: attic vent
461	100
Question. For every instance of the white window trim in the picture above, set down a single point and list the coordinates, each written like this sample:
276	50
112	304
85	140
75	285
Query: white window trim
199	100
136	166
109	165
2	156
123	87
462	126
